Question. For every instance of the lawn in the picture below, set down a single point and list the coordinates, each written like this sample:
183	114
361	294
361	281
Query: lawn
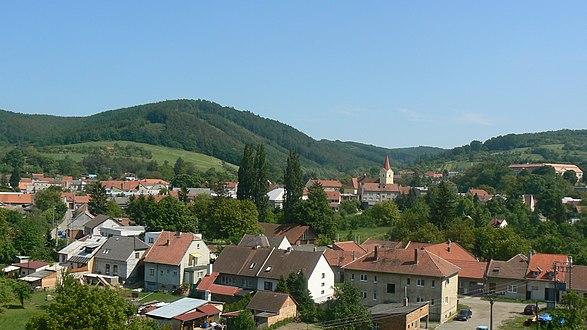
515	323
145	297
15	317
362	234
159	153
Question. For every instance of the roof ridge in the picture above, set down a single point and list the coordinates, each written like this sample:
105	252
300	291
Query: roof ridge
435	261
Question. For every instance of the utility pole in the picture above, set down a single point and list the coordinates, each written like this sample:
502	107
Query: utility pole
492	296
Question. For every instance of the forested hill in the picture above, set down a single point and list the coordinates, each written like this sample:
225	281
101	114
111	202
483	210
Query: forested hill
205	127
567	146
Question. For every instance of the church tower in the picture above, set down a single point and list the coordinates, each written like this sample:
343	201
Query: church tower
386	174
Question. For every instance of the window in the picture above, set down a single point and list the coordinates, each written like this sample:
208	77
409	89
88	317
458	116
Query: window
364	294
420	282
268	286
137	255
151	271
175	273
374	295
390	288
114	269
433	283
352	277
323	275
534	288
408	281
363	277
432	302
322	284
106	251
107	269
161	272
512	288
322	292
268	269
447	281
252	265
446	300
375	279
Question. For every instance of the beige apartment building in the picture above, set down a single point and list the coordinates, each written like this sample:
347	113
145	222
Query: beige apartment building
406	276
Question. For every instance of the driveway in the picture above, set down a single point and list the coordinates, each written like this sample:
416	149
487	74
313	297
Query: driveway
501	312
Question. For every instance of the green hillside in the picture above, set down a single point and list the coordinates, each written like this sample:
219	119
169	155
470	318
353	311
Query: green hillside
148	152
563	146
207	128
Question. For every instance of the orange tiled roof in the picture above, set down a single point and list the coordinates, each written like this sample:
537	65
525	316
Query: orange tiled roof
16	198
348	246
207	284
120	184
478	192
451	251
341	258
328	183
169	248
542	264
370	244
152	181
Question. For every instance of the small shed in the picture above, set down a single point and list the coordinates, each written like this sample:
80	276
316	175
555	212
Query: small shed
270	307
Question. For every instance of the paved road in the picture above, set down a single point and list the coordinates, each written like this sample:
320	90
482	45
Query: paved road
501	312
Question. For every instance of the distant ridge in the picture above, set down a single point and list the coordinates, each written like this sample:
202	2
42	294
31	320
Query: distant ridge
205	127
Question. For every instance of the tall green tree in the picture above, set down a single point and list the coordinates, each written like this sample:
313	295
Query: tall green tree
141	209
227	218
297	287
246	174
171	214
346	310
294	186
98	198
244	321
15	178
79	306
443	204
316	212
261	185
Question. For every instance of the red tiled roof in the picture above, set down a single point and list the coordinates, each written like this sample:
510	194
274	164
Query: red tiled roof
370	244
478	192
328	183
16	198
120	184
230	185
152	181
386	166
471	269
451	251
200	312
348	246
169	248
542	263
207	284
404	262
333	195
31	265
339	258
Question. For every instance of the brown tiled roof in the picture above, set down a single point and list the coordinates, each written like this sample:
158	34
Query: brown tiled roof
333	195
120	184
16	198
282	263
268	301
239	260
202	311
169	248
376	187
471	269
339	258
328	183
370	244
292	232
579	278
31	265
348	246
98	220
399	261
450	251
542	263
514	268
478	192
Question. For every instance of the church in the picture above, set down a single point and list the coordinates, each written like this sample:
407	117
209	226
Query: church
376	190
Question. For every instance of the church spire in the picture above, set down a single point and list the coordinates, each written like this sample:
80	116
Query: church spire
387	166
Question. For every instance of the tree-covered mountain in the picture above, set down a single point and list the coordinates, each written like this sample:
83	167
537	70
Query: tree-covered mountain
205	127
566	146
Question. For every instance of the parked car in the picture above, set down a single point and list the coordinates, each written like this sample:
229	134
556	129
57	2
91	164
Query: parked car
482	327
531	310
464	314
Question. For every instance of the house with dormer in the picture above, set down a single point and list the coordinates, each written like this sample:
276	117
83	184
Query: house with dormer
261	268
175	258
120	256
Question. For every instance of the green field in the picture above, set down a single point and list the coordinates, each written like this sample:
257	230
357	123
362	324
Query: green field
15	317
362	234
159	153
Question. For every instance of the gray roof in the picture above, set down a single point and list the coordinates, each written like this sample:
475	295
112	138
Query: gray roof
391	309
260	240
265	262
176	308
309	248
119	248
98	220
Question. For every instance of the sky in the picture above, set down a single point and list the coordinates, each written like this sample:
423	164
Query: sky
387	73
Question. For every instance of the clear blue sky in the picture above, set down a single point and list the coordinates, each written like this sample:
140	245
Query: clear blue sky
388	73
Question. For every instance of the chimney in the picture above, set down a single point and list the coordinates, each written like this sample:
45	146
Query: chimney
376	252
209	269
416	256
354	255
449	245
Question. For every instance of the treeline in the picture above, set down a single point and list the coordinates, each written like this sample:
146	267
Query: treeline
565	146
205	127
